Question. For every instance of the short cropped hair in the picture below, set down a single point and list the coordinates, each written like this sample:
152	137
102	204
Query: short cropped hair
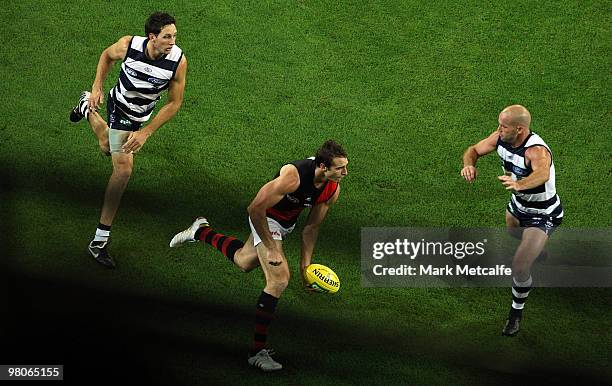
157	21
328	151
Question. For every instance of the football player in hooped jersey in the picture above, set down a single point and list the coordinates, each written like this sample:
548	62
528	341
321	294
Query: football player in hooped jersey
150	65
309	183
535	209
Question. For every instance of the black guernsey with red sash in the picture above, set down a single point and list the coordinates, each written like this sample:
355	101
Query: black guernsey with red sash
288	209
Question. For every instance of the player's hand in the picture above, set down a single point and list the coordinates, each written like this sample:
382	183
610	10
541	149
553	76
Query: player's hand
95	99
135	141
509	183
469	173
305	284
308	288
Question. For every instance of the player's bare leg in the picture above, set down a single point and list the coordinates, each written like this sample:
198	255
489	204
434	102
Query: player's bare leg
246	258
96	122
277	279
277	276
513	226
532	244
100	129
122	170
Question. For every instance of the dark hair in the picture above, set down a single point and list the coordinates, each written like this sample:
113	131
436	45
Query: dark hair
328	151
157	21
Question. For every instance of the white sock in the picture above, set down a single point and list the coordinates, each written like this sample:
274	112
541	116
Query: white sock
101	235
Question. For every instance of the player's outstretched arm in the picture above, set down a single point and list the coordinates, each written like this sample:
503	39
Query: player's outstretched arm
109	56
473	152
310	233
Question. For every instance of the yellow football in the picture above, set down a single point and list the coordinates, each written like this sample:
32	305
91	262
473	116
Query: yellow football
322	278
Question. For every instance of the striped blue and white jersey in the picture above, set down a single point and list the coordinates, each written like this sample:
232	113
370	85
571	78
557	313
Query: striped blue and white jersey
541	200
142	80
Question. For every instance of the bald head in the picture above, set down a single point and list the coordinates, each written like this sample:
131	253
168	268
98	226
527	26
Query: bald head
516	115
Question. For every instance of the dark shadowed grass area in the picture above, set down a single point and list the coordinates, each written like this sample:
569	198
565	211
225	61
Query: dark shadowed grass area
116	334
404	85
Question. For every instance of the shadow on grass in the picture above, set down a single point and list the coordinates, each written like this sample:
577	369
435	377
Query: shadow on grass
99	335
175	200
108	335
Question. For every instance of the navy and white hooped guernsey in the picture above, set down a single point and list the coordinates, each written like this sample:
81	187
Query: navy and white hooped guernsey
142	80
541	200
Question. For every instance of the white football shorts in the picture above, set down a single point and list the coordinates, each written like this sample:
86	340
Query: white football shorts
276	230
116	139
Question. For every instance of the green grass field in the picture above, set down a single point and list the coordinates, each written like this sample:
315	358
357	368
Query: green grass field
406	86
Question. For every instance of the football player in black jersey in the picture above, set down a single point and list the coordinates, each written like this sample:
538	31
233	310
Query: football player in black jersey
309	183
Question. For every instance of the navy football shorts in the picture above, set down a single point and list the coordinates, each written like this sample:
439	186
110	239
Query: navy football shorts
527	220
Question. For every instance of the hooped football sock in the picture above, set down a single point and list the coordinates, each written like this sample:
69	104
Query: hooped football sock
520	292
227	245
266	304
102	233
84	108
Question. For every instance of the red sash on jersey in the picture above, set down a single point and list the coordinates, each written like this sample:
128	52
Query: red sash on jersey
290	216
328	192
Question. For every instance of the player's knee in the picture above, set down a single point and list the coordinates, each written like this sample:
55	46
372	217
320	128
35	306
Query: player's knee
279	282
279	286
123	170
521	270
123	174
245	261
244	267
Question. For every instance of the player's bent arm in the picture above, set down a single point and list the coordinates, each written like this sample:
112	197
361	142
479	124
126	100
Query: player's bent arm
175	98
310	233
473	152
484	147
271	193
176	91
540	160
109	56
